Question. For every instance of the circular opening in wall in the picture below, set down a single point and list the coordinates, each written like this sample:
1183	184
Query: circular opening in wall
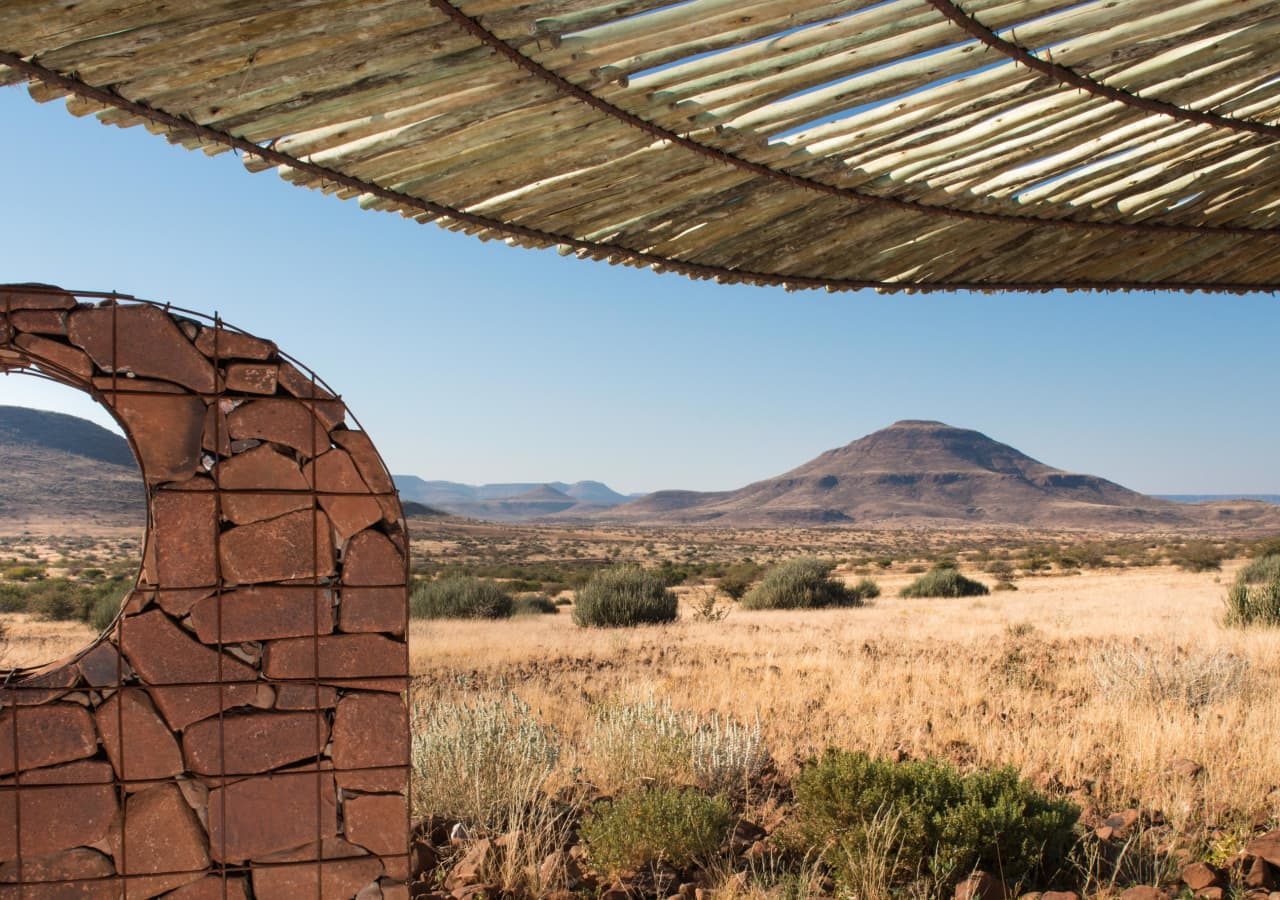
72	516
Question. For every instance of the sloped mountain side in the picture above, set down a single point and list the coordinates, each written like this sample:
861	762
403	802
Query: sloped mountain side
510	502
922	472
60	468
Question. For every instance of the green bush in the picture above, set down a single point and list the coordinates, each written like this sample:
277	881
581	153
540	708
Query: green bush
1198	556
676	826
806	583
944	582
1254	599
533	605
941	824
738	578
622	597
460	597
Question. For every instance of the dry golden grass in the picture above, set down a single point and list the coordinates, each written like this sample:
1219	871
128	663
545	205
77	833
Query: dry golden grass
32	642
1122	673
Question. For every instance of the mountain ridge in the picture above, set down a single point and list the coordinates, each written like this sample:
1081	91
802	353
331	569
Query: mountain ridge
924	471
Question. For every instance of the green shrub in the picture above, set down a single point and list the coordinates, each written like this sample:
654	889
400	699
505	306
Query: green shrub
1005	586
103	612
1254	599
738	578
943	824
944	582
460	597
533	605
622	597
24	573
1198	556
676	826
806	583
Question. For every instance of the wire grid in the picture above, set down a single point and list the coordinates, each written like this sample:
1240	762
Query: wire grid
32	689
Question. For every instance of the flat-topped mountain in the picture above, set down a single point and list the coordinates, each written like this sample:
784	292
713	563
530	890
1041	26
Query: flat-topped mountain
922	471
60	468
510	502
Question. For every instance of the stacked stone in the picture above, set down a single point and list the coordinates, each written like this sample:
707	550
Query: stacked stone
241	731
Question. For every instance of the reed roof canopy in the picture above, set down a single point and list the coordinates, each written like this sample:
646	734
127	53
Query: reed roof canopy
839	144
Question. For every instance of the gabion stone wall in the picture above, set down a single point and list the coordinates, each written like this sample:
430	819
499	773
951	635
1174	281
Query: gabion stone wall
241	730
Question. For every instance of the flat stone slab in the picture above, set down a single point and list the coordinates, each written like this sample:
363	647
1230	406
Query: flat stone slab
254	742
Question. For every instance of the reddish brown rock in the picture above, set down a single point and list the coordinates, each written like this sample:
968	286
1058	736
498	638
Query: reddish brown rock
261	468
1144	892
185	535
212	887
216	434
295	545
159	833
302	385
55	357
369	731
223	343
34	296
269	813
103	666
61	807
150	751
334	473
41	686
373	610
40	321
1267	847
252	378
1199	876
305	696
67	869
1258	876
254	742
371	559
281	421
342	878
162	653
180	603
981	886
371	467
47	735
167	430
378	822
473	867
1059	895
341	656
263	613
141	339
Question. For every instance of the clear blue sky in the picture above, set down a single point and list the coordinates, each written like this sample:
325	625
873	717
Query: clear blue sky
477	362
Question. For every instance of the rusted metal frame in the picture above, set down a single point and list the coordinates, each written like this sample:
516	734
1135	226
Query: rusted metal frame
641	258
17	760
216	472
174	779
477	30
121	792
1069	77
316	593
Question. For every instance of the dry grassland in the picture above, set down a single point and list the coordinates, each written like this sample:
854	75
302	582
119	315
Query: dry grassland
1100	684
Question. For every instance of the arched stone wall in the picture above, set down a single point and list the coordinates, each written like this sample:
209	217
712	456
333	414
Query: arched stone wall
242	729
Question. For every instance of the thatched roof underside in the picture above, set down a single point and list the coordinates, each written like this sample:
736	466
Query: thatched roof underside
926	144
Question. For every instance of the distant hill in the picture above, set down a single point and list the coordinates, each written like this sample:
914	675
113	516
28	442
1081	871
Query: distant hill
60	468
921	472
517	501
